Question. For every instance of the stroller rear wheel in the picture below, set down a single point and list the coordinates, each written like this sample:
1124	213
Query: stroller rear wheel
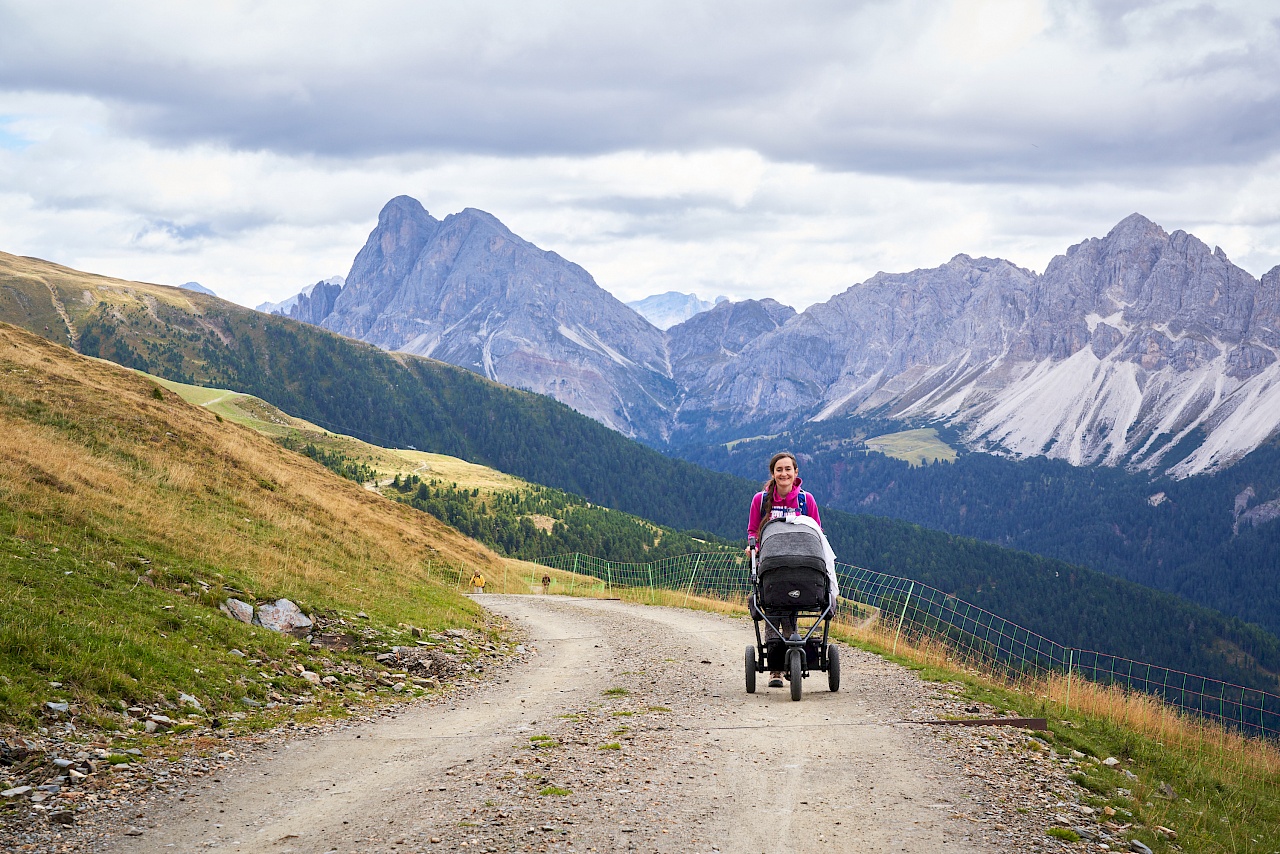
751	669
833	667
795	664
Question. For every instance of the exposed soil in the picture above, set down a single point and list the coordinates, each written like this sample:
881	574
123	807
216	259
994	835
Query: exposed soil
626	728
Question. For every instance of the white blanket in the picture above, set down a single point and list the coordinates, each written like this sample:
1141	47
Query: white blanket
829	556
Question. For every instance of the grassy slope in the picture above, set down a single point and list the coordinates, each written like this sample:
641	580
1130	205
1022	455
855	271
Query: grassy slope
272	421
399	400
392	399
916	447
125	516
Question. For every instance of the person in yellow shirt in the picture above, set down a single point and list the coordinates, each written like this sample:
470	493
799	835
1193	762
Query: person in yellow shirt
477	582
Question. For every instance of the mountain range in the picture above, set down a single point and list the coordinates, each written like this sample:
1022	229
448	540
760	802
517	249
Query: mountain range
400	400
332	285
1143	349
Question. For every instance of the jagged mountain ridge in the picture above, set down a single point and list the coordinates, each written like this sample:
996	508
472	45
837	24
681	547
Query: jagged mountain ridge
329	289
1125	348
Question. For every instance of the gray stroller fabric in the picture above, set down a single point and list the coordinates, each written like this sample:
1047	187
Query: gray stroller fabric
793	546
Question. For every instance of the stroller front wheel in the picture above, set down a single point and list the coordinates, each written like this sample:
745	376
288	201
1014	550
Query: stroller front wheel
833	667
795	663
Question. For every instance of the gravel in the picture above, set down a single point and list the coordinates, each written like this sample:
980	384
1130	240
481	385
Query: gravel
616	727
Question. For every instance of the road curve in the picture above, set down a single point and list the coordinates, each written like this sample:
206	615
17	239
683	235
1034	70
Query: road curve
528	761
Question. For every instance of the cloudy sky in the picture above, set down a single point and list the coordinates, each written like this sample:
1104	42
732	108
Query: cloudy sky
746	148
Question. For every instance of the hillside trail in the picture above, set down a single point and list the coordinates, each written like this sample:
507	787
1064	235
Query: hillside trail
629	729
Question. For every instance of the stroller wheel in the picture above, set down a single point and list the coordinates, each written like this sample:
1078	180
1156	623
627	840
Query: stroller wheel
751	669
795	664
833	667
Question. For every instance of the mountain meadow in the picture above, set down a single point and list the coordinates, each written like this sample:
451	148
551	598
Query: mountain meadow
135	506
128	516
399	400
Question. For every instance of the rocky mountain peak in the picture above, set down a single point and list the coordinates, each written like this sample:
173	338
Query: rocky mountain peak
1126	347
1135	227
713	337
468	291
668	309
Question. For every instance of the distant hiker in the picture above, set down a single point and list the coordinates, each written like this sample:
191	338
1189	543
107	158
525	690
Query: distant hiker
477	582
781	498
546	584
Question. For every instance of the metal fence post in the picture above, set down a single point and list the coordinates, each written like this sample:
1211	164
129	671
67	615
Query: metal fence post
1071	657
692	576
902	617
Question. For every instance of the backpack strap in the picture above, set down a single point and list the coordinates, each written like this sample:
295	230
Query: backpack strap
804	507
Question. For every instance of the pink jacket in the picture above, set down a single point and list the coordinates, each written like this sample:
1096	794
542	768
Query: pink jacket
781	505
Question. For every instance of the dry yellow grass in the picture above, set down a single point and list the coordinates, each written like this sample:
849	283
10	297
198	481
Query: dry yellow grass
1221	750
269	420
84	442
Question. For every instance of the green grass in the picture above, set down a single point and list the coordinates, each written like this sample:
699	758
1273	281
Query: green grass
616	692
141	514
1066	834
914	446
555	791
115	636
613	745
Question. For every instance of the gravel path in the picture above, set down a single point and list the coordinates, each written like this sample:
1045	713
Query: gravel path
628	728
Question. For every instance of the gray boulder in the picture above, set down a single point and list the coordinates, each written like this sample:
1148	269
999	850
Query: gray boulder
283	616
237	610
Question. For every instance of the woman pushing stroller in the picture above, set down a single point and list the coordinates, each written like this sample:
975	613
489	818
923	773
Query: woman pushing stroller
782	498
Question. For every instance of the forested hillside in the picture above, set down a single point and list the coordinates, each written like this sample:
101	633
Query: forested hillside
1069	604
537	522
1188	537
398	400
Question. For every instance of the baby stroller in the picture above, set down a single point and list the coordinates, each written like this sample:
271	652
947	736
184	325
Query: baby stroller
789	580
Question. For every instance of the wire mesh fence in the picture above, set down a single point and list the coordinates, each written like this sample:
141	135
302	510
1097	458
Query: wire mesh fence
912	612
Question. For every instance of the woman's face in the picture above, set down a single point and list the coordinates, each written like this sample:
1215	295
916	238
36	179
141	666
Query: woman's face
784	474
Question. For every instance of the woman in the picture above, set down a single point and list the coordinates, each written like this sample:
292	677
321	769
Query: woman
782	497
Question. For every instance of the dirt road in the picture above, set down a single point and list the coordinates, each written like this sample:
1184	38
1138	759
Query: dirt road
629	730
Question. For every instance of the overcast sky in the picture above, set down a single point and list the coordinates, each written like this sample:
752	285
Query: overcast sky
746	148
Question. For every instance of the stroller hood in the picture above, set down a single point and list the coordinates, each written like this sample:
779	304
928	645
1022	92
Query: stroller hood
795	546
796	543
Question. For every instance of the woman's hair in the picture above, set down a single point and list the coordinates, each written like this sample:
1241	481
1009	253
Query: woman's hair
766	502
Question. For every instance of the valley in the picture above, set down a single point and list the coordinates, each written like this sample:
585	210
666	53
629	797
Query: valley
400	400
131	515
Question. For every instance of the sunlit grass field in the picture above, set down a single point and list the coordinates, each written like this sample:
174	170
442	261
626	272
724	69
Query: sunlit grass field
917	447
127	515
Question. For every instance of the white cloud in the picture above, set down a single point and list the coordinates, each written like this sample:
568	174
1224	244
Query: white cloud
744	148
